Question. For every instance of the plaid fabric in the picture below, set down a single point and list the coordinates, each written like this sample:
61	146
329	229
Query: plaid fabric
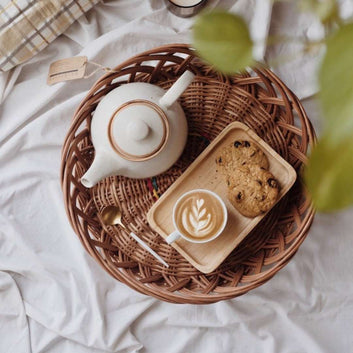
28	26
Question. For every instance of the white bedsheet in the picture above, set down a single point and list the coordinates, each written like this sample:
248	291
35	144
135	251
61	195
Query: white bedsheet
53	295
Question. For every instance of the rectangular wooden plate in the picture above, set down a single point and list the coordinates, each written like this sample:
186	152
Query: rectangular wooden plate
202	174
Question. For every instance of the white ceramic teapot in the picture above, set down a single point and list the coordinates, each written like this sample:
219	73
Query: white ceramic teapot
138	130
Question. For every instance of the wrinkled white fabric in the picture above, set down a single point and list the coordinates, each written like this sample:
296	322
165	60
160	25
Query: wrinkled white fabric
298	67
55	298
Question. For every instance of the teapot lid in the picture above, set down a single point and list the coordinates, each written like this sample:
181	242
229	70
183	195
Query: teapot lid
138	130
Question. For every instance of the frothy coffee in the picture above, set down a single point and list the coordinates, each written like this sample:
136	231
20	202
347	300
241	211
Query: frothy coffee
199	215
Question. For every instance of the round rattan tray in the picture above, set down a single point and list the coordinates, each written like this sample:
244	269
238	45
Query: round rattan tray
258	99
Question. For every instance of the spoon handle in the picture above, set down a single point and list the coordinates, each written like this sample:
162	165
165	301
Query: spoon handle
145	246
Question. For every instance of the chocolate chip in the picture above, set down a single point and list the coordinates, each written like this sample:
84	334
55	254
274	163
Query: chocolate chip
272	183
228	183
237	144
239	196
247	144
243	163
220	160
260	182
262	168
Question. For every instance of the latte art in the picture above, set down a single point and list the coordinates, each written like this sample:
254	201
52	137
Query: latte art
196	220
199	215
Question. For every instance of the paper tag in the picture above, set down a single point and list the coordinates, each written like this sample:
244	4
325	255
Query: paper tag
67	69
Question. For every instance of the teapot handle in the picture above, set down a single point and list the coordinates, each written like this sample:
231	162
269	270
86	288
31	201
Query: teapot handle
179	86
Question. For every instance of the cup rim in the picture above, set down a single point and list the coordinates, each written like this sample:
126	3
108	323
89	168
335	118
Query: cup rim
186	6
225	212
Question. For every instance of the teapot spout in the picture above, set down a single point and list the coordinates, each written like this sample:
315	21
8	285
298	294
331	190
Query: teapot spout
101	168
179	86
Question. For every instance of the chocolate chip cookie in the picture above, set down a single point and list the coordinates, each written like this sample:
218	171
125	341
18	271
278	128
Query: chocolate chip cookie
252	190
240	153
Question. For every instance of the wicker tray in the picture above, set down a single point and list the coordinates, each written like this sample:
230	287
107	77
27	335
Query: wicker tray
258	99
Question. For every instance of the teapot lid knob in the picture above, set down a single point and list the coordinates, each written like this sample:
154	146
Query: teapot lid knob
137	130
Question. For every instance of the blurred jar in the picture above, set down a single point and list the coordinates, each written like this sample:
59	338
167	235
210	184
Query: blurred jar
185	8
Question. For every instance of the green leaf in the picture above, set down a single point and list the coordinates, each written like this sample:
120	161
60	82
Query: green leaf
336	83
329	174
223	40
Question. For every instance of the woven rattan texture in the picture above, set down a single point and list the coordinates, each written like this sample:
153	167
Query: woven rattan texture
258	99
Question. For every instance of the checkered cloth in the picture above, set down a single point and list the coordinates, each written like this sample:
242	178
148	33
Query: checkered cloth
28	26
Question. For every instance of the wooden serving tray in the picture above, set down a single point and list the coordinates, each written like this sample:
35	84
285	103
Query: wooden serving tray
202	174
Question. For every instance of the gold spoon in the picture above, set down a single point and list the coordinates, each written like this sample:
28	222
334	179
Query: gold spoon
111	215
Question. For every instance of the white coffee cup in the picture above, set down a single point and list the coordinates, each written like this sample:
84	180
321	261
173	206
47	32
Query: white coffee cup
199	216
